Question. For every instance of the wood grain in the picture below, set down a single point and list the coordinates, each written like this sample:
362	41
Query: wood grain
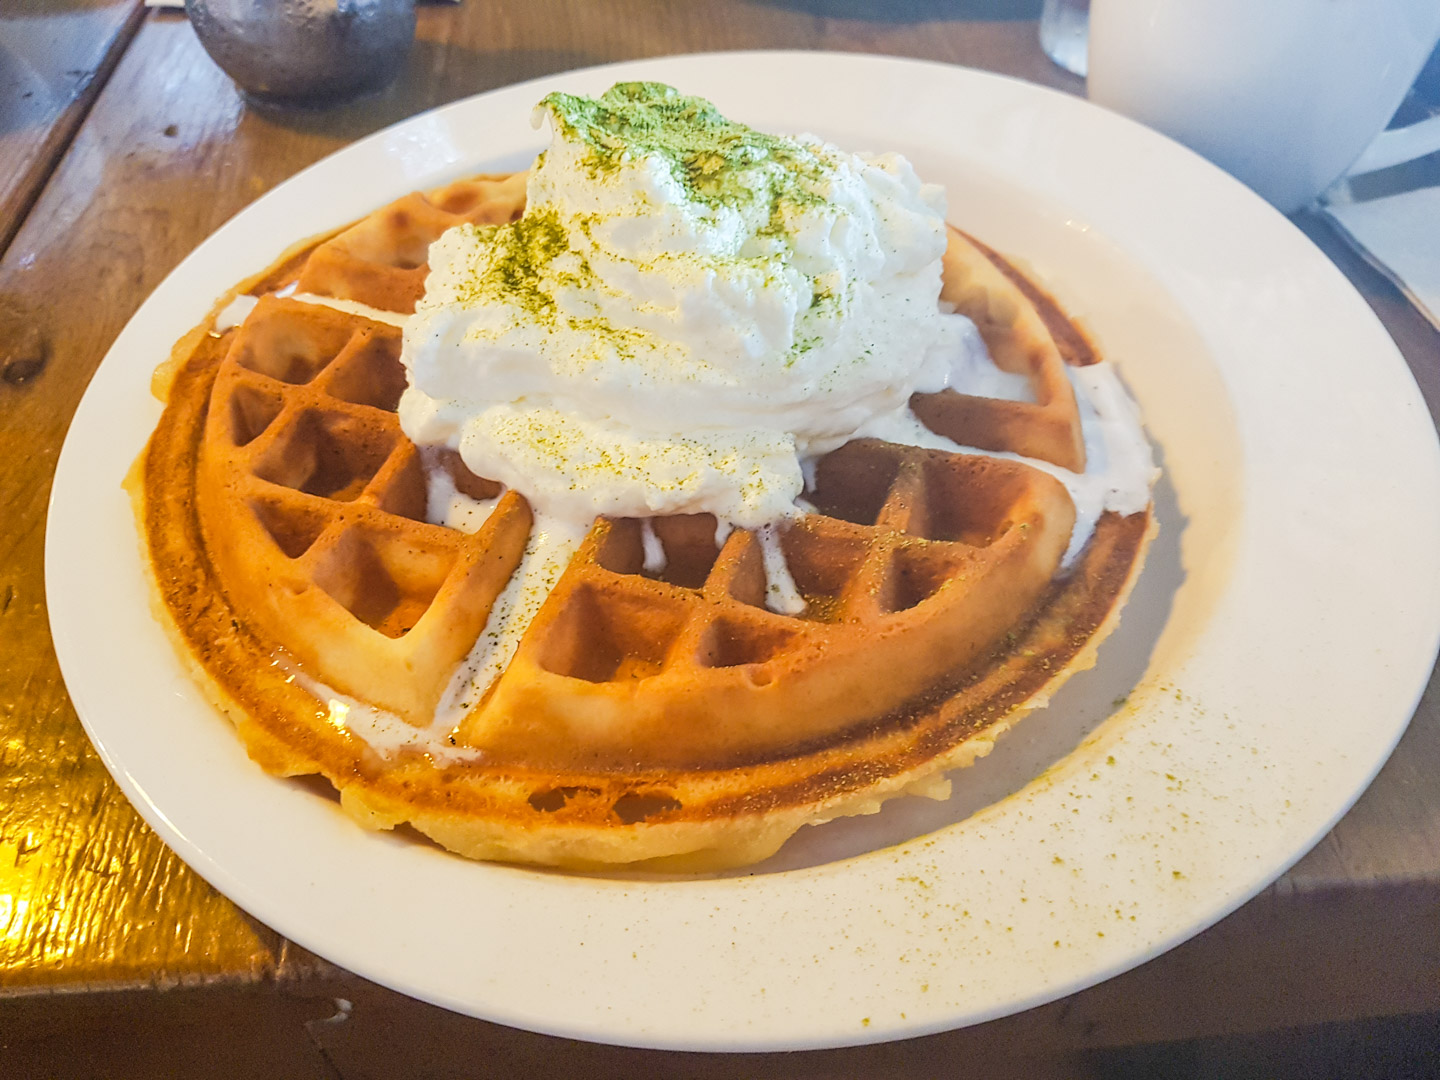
1272	966
88	895
54	57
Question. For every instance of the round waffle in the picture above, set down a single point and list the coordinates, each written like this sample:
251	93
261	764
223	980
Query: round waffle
657	716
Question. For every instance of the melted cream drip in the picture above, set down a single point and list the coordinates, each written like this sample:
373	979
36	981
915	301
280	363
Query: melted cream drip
654	551
977	375
447	505
234	313
352	307
384	732
551	545
781	595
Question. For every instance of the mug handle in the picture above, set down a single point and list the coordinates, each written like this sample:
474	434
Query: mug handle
1397	146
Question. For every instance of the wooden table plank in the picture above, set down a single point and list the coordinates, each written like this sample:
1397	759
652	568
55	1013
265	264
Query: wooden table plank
54	59
1270	967
88	896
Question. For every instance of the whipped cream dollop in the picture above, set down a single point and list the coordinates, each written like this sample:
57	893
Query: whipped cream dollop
687	310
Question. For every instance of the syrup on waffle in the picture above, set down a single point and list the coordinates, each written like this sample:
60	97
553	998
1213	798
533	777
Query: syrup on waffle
647	714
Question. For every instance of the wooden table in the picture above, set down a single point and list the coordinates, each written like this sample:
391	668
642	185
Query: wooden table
114	956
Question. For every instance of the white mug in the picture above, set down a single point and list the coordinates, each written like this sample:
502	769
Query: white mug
1286	95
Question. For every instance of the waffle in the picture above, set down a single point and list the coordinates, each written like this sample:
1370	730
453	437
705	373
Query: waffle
664	717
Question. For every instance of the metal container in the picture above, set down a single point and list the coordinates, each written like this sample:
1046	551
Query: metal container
305	52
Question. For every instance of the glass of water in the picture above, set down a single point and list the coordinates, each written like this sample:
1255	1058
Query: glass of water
305	52
1064	30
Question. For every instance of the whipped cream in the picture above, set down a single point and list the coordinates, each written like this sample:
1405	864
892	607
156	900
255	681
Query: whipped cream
687	309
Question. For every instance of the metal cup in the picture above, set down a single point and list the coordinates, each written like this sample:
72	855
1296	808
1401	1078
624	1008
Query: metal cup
1064	28
305	52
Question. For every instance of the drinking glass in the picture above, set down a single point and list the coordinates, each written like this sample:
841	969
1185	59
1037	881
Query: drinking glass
1064	26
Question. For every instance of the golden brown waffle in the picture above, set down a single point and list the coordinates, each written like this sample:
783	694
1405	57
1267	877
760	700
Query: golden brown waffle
915	561
666	715
380	260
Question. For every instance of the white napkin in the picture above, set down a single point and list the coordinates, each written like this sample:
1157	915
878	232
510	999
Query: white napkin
1400	236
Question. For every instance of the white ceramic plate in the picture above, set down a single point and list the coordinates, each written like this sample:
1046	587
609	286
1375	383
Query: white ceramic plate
1261	676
